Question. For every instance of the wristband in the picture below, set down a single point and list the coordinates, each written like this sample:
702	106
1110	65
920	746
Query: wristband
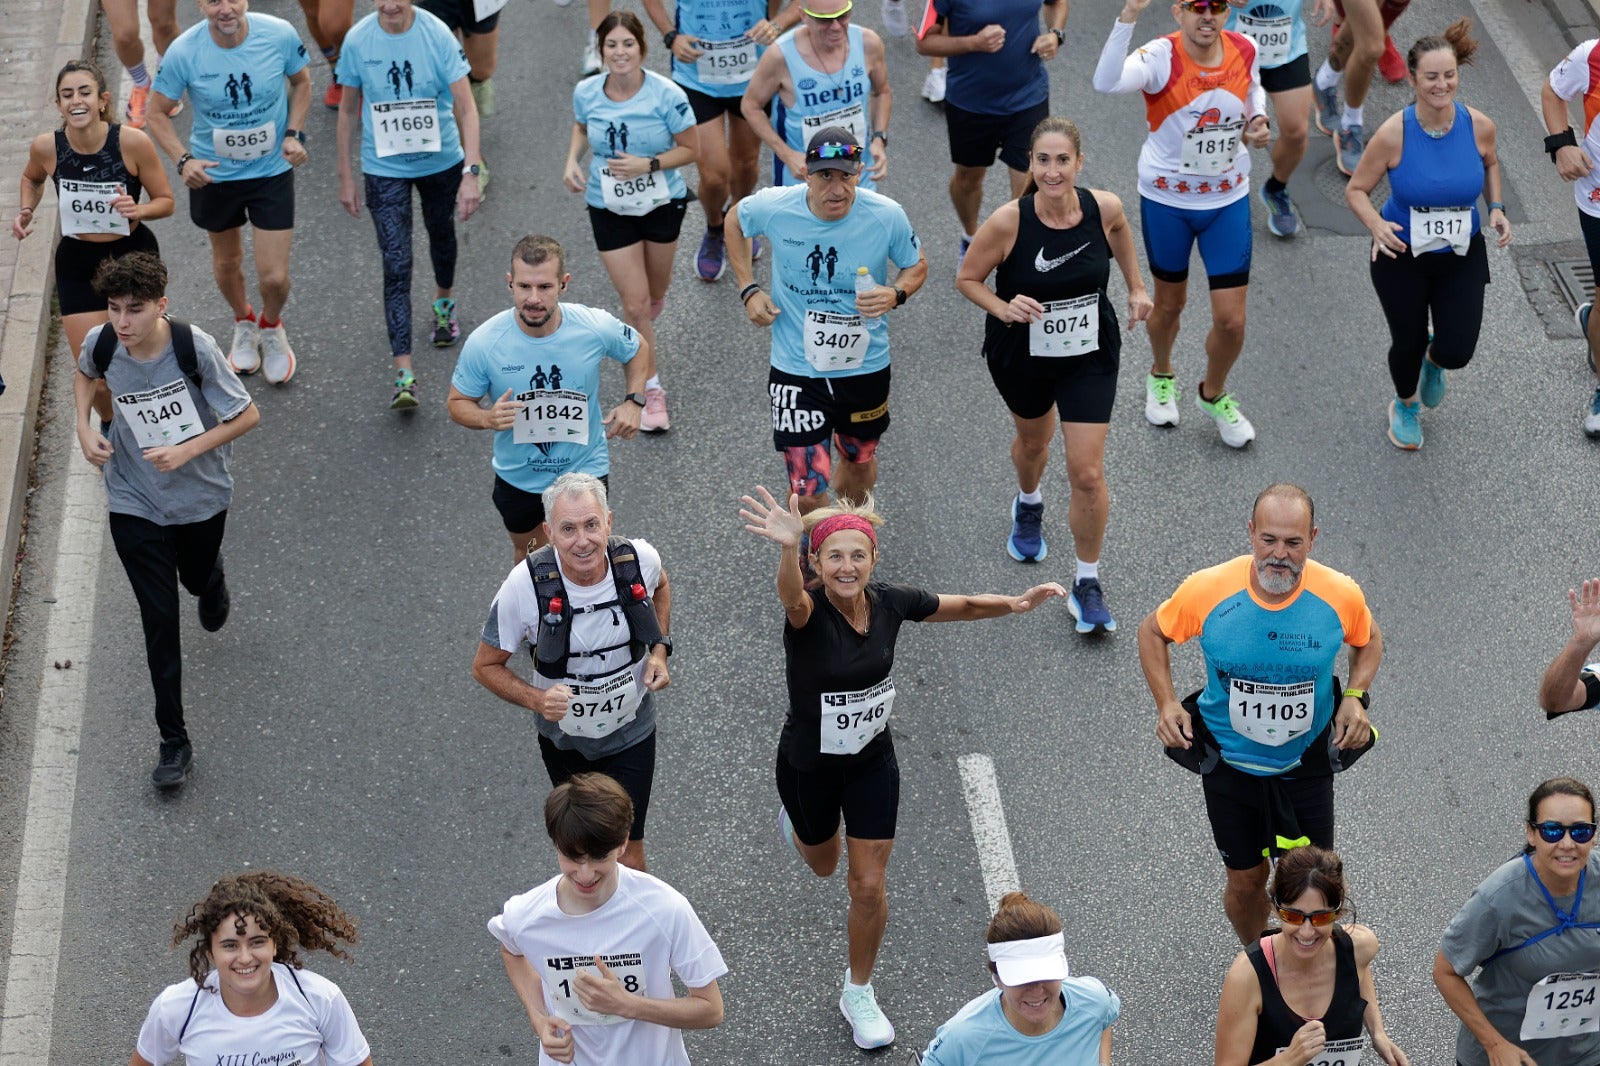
655	164
668	37
1360	695
1496	205
1557	141
749	291
182	159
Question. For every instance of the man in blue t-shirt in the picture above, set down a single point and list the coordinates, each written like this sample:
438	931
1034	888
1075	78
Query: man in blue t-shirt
250	92
996	90
832	243
538	367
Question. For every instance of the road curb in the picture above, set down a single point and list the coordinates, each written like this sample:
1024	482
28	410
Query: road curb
26	326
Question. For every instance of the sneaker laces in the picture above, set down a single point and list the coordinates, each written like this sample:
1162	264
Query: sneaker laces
1029	519
862	1003
1279	200
443	311
405	381
1165	389
1091	598
1225	407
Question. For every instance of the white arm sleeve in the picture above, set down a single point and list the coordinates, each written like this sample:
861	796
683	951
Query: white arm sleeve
1146	70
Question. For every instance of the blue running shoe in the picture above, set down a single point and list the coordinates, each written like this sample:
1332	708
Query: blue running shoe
1326	110
961	251
1026	543
1087	602
1591	421
1282	218
1348	146
1581	317
1432	385
1405	428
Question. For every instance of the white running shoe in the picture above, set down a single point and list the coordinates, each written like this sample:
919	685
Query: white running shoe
894	17
277	358
933	86
245	354
1160	401
591	58
1235	428
860	1008
653	419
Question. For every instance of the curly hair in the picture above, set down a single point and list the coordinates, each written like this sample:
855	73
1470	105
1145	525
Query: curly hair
292	911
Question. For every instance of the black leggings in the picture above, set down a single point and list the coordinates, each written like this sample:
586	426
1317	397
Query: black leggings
1441	285
389	201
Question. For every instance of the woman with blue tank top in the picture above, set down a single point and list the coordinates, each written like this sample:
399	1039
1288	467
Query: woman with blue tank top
1429	262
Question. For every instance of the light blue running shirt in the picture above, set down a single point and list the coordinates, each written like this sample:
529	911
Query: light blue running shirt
644	124
822	100
417	65
1277	26
240	90
722	23
814	269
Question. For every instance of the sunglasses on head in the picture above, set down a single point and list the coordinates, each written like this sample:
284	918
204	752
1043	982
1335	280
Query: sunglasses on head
1206	7
834	16
1318	919
835	150
1552	832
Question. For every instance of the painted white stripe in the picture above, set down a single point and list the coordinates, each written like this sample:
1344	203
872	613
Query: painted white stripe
1512	44
29	1009
995	860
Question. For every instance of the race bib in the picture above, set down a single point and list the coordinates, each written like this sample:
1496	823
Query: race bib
1271	714
161	416
560	984
1210	150
86	207
482	9
851	719
400	127
552	416
852	117
256	142
1433	228
1068	328
726	62
835	342
1272	38
600	708
1562	1004
633	196
1336	1053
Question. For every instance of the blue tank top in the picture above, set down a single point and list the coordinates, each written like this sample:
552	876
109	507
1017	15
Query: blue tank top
822	100
1442	172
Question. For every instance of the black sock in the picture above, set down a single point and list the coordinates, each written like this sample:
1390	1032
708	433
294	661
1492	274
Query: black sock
1274	185
715	231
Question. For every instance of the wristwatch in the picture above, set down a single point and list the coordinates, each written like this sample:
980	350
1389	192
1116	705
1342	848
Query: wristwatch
636	397
668	37
655	163
664	642
900	296
1361	695
882	135
1061	35
475	169
299	135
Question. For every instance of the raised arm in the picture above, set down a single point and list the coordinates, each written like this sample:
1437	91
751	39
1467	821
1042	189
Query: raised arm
1562	688
765	517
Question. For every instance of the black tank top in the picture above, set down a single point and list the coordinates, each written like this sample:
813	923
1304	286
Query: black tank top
1277	1025
1055	264
104	165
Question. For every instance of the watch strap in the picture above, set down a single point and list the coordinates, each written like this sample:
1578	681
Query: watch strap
636	397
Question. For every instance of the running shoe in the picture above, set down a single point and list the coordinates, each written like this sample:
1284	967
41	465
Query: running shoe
1087	602
1405	428
1160	400
483	96
1282	217
653	419
1326	108
591	58
1026	542
1391	64
277	358
1581	317
1235	428
173	764
134	110
894	18
446	329
711	262
405	391
860	1008
1348	144
332	98
215	602
1432	385
483	176
757	248
245	353
961	250
1591	421
786	829
562	3
933	86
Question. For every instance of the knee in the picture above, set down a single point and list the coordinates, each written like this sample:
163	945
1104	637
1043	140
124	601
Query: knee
126	38
1365	51
1033	446
227	261
1229	323
1450	356
334	20
636	310
274	281
1087	478
867	888
967	180
746	172
1168	302
714	171
1247	884
1295	135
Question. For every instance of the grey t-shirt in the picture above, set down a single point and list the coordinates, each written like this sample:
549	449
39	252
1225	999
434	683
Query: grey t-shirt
1505	910
198	489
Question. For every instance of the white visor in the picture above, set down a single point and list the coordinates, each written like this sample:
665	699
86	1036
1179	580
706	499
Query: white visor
1022	962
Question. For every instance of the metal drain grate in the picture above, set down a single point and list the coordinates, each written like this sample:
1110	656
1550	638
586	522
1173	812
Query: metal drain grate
1575	278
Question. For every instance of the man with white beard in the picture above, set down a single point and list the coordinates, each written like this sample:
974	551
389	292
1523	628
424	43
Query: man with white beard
1266	733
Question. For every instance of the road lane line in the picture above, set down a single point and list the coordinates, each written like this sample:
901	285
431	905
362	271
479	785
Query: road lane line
982	793
1508	39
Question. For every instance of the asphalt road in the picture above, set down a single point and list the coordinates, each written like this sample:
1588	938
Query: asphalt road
339	735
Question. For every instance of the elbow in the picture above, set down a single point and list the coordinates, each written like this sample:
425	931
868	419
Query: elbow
1444	975
714	1015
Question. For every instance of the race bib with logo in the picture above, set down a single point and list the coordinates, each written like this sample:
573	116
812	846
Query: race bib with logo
86	207
401	127
1211	149
1337	1053
726	62
1562	1004
552	416
633	196
1272	37
1433	228
851	719
600	708
560	984
1271	714
161	416
852	117
1068	328
256	142
835	342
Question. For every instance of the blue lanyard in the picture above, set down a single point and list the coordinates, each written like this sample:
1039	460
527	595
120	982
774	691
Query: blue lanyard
1564	920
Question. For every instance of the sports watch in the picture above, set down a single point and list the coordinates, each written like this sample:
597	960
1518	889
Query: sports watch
636	397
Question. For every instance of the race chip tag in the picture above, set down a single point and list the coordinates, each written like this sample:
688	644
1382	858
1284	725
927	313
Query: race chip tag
1271	714
600	708
1272	38
560	978
86	208
726	62
1562	1004
552	416
851	719
404	127
1068	328
852	117
257	142
835	342
1209	150
633	196
161	416
1433	228
1336	1053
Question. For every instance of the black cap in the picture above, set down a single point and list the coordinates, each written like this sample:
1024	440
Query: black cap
833	135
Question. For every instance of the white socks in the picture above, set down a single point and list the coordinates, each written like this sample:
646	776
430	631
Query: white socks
1327	77
1352	116
1087	571
1030	497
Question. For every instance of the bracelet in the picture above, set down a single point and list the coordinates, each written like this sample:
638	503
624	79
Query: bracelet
749	291
182	159
1496	205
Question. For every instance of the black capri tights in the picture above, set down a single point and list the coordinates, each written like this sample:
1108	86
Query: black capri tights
389	201
1442	287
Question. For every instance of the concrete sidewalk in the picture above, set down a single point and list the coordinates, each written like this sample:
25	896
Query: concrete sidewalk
41	35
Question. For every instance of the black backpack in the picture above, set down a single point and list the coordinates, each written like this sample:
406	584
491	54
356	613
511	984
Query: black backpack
555	608
105	346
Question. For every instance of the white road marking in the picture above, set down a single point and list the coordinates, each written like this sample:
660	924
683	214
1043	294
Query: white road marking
982	793
1509	41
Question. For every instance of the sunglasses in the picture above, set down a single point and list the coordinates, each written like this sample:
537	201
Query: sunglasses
1552	832
830	18
1206	7
1318	919
835	150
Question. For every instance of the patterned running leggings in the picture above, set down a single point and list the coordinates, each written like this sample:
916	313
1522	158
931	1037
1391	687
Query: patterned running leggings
389	201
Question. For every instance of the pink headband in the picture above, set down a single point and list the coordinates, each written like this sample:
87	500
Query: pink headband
834	523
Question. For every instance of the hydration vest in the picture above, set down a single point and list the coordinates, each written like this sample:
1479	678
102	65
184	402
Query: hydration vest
554	645
1564	920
